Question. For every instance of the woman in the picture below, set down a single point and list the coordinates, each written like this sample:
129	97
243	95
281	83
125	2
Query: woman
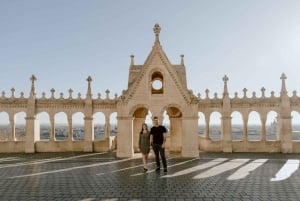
144	145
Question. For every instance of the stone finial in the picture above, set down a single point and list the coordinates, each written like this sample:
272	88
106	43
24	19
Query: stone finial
245	93
107	93
283	88
199	95
207	93
70	93
263	90
156	30
182	59
131	60
225	80
12	92
89	91
33	79
52	92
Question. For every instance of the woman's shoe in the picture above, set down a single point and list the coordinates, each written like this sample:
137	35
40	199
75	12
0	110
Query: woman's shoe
145	170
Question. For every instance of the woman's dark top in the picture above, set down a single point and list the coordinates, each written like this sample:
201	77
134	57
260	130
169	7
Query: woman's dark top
144	142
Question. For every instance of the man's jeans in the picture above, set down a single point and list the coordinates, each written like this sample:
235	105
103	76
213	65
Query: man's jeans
157	148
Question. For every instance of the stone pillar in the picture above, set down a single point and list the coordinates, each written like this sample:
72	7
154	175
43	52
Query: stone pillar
88	134
32	134
263	128
190	137
285	123
125	137
226	134
52	129
70	129
175	134
12	136
285	130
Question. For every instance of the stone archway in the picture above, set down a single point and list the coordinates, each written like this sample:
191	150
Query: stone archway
175	116
139	116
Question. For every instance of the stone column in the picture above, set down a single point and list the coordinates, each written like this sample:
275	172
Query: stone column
190	137
285	130
32	134
125	137
12	136
70	129
175	134
88	134
226	134
52	128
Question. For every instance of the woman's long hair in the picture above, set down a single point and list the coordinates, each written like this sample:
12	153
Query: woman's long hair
143	126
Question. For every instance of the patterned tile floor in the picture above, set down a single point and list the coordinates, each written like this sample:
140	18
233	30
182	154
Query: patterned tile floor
103	176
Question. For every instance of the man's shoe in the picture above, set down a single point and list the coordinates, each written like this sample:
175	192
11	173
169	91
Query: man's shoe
157	169
165	170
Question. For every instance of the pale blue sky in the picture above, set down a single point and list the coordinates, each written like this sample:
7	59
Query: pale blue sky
62	42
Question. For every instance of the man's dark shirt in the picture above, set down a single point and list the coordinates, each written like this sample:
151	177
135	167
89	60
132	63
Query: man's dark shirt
158	134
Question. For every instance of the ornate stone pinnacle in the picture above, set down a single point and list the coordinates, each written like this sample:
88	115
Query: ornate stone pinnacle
156	30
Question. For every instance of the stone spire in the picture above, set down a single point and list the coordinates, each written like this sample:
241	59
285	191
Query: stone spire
283	88
225	92
33	79
156	30
131	60
89	91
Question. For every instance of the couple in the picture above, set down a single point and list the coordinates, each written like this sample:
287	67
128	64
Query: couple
155	138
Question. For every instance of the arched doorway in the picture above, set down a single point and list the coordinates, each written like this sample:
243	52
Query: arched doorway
175	117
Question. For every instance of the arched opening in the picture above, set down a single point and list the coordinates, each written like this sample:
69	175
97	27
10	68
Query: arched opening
254	126
237	126
295	125
173	123
5	128
271	126
61	127
113	124
20	126
99	125
215	126
45	125
78	126
139	118
201	124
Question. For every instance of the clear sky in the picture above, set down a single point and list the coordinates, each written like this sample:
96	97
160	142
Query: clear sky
62	42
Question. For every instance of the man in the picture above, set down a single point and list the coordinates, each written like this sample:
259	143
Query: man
158	141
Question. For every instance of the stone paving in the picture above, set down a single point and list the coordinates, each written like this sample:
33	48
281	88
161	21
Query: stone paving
103	176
